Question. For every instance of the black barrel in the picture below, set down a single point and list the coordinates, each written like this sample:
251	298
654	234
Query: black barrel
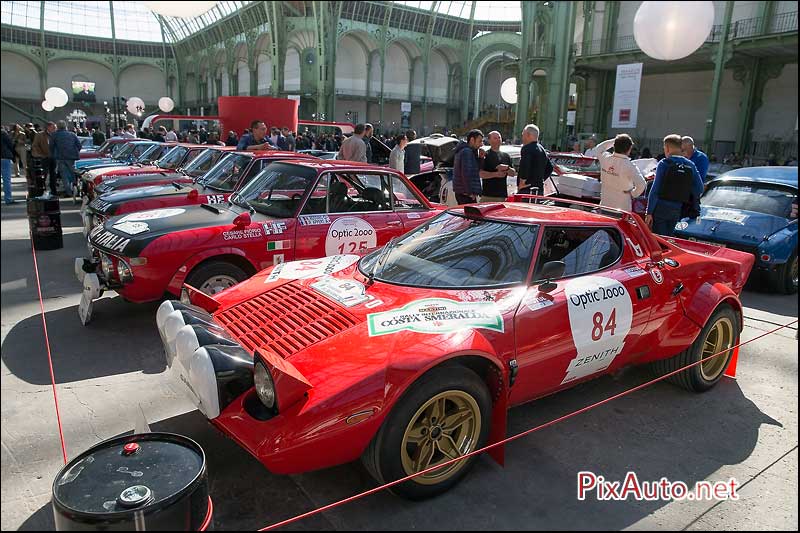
35	176
44	218
146	482
412	158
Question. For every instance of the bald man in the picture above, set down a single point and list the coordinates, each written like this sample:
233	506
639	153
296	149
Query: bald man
495	169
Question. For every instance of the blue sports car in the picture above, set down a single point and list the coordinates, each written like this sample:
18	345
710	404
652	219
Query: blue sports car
752	209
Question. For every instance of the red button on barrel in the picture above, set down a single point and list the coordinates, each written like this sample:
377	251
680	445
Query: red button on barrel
130	448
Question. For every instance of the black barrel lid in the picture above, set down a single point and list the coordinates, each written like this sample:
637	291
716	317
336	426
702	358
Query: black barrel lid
132	473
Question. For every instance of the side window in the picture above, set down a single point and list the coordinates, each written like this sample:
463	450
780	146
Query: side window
317	202
583	250
254	169
404	198
369	192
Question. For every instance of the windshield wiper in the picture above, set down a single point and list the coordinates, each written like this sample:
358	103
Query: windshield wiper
177	185
379	261
234	200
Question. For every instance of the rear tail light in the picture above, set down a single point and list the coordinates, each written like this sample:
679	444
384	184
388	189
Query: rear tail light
765	258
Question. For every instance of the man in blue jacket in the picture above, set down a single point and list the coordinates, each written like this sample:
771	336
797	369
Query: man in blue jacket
467	170
694	155
65	148
676	187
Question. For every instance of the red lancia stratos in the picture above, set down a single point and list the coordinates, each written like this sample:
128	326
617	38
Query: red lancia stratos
299	209
411	356
230	173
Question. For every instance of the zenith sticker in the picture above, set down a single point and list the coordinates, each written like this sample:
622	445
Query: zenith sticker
216	198
240	234
131	228
106	239
600	314
539	302
313	220
347	292
634	271
274	228
153	214
349	235
311	268
657	276
436	315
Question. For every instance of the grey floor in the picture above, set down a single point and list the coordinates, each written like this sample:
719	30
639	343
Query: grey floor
106	373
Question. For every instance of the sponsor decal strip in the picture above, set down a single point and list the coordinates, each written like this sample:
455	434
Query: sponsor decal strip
313	220
311	268
436	315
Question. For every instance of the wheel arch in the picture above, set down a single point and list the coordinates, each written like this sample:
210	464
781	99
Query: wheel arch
234	256
707	299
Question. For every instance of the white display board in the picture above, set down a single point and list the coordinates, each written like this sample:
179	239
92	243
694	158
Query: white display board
626	95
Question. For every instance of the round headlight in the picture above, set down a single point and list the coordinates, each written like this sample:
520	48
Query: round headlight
106	265
265	389
124	271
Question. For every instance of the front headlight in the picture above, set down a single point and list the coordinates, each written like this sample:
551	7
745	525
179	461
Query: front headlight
265	389
124	271
106	265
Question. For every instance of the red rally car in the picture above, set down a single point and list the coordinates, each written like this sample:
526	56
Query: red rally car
298	209
230	173
412	355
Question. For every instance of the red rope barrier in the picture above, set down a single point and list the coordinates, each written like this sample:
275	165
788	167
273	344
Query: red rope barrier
49	355
512	438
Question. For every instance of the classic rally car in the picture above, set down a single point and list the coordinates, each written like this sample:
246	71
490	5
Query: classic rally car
411	356
298	209
753	209
136	151
177	155
105	150
230	174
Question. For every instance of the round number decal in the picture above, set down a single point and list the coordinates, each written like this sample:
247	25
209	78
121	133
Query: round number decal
350	235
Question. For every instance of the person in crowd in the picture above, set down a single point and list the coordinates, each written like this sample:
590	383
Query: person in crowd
276	139
129	132
747	161
620	179
791	162
232	139
772	161
20	149
257	139
213	139
576	147
160	135
534	165
494	171
98	137
466	168
8	156
411	135
398	154
291	140
202	135
591	148
354	148
676	189
368	140
146	134
646	153
30	132
694	155
40	151
65	149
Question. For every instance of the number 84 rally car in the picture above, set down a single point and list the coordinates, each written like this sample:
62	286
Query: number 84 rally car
410	356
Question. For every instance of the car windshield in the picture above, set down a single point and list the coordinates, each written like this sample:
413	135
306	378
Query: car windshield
203	163
149	153
172	158
278	190
454	251
759	197
227	172
575	165
125	150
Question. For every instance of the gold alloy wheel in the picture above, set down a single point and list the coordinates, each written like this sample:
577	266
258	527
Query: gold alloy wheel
719	338
446	427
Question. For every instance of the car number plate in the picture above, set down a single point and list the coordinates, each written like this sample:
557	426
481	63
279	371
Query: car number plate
85	307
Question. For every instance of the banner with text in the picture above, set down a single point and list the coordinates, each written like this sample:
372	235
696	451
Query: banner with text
626	95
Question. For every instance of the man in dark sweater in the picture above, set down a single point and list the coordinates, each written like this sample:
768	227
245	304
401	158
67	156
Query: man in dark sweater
466	169
534	165
494	170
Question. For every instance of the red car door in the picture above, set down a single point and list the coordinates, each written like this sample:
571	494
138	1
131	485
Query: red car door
407	204
590	322
346	213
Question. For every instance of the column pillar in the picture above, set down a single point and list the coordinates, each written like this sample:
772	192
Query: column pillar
466	73
554	124
720	59
525	68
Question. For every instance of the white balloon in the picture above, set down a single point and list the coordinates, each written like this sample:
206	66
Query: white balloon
668	31
56	96
47	106
180	9
508	91
166	104
133	105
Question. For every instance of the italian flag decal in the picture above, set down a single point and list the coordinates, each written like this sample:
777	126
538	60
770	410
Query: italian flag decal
277	245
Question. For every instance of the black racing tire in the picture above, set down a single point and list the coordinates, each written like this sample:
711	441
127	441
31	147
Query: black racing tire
724	322
451	384
213	276
784	279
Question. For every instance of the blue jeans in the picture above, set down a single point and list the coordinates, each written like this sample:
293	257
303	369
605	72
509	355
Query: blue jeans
6	170
67	170
664	219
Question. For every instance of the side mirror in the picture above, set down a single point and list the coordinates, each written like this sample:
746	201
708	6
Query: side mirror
550	271
193	194
242	219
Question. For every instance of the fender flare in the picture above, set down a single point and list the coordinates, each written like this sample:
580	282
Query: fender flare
179	277
706	300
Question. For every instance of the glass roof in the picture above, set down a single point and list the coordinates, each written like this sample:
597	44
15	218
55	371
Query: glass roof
484	11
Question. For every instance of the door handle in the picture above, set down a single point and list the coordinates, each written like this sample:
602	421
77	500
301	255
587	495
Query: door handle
393	223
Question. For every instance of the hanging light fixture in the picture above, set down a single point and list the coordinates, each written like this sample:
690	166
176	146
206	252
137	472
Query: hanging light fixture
508	91
180	9
668	31
56	96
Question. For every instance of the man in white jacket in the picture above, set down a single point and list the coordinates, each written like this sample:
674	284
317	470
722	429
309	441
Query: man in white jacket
620	179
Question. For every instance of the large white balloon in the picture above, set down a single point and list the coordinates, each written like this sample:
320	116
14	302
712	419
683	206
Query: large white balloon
135	105
180	9
47	106
508	91
669	31
56	96
166	104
